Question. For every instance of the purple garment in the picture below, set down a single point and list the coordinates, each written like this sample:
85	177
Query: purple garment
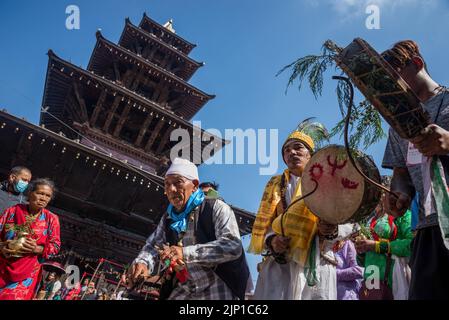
349	274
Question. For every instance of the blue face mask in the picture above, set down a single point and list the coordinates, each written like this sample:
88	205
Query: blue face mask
21	186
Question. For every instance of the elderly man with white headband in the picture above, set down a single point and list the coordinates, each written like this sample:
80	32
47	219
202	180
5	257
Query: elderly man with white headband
204	246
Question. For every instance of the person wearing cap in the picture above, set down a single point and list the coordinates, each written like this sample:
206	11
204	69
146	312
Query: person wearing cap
210	189
204	247
285	232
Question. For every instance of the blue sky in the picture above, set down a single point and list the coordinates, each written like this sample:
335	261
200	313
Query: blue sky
243	43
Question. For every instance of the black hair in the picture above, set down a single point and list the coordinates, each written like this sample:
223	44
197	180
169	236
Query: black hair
386	181
18	170
208	184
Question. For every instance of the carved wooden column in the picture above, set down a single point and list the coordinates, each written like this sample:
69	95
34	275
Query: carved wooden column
122	120
154	135
111	113
143	130
98	108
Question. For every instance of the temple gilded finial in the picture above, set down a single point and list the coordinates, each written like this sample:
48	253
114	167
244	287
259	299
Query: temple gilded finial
169	25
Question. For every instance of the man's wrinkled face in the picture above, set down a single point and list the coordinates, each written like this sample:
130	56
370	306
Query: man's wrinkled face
178	190
296	155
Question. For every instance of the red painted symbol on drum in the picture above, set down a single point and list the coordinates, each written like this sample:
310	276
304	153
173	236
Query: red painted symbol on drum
348	184
316	171
335	165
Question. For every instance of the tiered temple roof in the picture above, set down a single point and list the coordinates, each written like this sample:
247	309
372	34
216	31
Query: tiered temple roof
167	36
104	137
146	78
136	40
110	113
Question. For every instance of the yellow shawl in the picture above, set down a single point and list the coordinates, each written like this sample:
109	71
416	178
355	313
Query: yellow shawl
300	224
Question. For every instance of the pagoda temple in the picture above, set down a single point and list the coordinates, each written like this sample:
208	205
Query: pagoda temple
104	138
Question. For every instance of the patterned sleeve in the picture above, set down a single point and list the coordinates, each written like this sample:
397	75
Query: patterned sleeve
393	156
401	246
148	255
228	245
53	244
3	218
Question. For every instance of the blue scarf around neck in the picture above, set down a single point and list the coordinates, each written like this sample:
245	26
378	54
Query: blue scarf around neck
180	219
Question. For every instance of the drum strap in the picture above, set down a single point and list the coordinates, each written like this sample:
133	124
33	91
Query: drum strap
392	225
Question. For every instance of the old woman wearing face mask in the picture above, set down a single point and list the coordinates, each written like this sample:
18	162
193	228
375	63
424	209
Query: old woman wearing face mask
12	189
29	233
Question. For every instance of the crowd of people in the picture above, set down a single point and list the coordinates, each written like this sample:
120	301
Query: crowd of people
399	252
406	264
55	288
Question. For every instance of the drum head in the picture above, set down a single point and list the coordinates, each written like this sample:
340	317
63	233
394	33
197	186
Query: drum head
341	188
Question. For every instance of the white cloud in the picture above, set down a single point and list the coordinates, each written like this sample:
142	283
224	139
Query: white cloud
357	7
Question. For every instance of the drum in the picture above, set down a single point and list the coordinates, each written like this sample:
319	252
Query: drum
343	195
384	88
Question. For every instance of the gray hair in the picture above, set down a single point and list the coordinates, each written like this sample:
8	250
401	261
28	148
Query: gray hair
42	182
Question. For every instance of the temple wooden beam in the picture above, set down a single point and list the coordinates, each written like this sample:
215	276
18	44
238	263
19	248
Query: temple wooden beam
163	96
93	185
148	52
156	132
21	153
111	113
81	103
72	110
116	71
164	140
122	120
98	108
178	103
140	77
63	170
143	130
138	47
128	77
157	92
165	63
173	103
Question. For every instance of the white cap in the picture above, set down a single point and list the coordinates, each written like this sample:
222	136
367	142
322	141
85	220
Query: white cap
184	168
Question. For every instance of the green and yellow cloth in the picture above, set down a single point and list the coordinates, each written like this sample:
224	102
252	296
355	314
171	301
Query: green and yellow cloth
299	223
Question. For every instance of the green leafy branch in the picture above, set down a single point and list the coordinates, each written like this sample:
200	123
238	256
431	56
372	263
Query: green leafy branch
365	125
